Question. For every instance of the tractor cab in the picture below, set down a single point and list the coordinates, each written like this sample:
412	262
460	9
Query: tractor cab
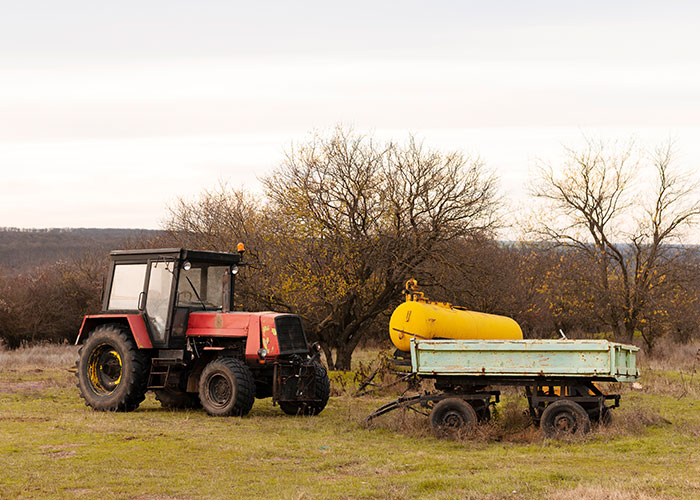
166	285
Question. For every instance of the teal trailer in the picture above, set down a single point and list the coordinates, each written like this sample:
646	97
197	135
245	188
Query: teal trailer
593	359
559	378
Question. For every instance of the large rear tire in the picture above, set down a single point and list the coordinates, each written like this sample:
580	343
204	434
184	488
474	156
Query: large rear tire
322	391
112	372
227	388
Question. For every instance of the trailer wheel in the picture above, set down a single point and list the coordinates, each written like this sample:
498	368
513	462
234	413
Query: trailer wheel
226	388
173	398
563	418
453	417
481	407
322	386
112	372
601	417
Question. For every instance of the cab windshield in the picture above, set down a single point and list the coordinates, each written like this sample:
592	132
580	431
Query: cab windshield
202	286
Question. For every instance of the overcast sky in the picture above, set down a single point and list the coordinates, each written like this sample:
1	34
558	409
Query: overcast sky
111	110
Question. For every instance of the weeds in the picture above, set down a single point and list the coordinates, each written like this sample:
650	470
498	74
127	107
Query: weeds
39	356
602	493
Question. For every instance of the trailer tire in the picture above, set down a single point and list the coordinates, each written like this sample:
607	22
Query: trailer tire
481	407
564	418
174	399
227	388
322	390
601	417
453	417
112	372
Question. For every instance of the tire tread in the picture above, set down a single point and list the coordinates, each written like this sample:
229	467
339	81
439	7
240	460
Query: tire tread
136	380
245	387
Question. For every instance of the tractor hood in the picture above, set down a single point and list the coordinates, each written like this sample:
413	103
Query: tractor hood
277	333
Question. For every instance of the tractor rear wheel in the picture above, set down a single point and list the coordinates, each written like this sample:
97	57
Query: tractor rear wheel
174	398
453	417
564	418
226	388
112	372
322	390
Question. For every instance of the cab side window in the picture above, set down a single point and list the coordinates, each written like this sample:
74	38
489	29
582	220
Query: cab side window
127	285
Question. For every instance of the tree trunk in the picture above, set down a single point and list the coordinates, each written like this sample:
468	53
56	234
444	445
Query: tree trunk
617	331
11	342
629	331
649	340
343	357
328	353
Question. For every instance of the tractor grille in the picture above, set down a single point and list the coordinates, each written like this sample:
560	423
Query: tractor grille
290	334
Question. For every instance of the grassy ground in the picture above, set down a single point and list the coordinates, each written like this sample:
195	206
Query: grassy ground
52	446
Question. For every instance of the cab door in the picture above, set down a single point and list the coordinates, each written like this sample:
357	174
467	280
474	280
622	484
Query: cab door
159	298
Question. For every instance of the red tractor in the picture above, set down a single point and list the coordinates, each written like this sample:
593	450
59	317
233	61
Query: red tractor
168	325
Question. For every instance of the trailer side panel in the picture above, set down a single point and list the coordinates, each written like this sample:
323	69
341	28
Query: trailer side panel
594	359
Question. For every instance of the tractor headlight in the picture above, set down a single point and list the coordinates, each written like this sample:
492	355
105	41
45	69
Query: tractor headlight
262	353
316	347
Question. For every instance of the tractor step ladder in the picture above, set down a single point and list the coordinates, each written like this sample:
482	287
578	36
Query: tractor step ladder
160	368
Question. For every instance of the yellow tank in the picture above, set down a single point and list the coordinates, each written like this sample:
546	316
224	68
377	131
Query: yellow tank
420	318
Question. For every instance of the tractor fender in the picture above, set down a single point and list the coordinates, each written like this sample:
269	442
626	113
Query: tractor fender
134	322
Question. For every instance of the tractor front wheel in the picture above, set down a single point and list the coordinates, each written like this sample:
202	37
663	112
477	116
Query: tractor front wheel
112	372
226	388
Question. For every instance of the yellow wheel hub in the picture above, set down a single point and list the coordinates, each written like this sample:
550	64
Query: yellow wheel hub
104	369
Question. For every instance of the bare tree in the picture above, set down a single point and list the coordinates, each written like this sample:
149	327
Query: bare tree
356	217
598	202
217	219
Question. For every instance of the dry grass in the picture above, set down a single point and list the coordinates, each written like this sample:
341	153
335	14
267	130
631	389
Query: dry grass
511	423
601	493
669	355
39	356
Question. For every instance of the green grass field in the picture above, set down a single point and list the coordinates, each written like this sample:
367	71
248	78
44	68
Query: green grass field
52	446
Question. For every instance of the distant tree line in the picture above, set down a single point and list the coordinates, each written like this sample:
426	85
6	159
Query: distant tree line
346	219
49	279
47	303
22	250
